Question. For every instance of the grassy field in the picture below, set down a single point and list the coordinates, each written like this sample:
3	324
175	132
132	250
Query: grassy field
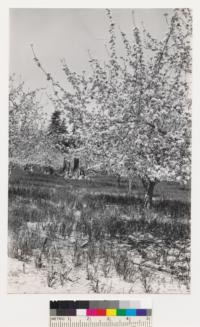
93	236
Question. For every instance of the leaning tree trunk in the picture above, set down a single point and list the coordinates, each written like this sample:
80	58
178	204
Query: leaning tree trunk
149	188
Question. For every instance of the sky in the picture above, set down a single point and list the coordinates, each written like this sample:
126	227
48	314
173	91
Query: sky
69	34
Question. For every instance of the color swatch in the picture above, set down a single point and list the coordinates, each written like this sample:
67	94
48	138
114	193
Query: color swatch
99	309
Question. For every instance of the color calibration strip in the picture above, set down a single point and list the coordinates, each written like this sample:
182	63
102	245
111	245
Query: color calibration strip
100	308
100	314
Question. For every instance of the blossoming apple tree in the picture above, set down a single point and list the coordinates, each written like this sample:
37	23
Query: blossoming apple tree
143	126
133	112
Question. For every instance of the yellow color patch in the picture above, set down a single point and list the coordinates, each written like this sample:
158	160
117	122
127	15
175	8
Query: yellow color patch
111	312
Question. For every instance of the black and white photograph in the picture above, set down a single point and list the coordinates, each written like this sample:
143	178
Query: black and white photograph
100	124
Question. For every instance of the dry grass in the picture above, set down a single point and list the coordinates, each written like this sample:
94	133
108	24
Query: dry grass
66	227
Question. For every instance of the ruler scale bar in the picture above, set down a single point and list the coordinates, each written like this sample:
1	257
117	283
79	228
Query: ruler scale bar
93	322
100	314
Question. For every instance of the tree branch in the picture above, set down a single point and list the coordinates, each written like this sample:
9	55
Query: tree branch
161	131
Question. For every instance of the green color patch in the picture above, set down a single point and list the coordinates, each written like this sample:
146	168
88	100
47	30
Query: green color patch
121	312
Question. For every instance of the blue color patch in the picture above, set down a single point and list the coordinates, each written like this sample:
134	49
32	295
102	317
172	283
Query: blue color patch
131	312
